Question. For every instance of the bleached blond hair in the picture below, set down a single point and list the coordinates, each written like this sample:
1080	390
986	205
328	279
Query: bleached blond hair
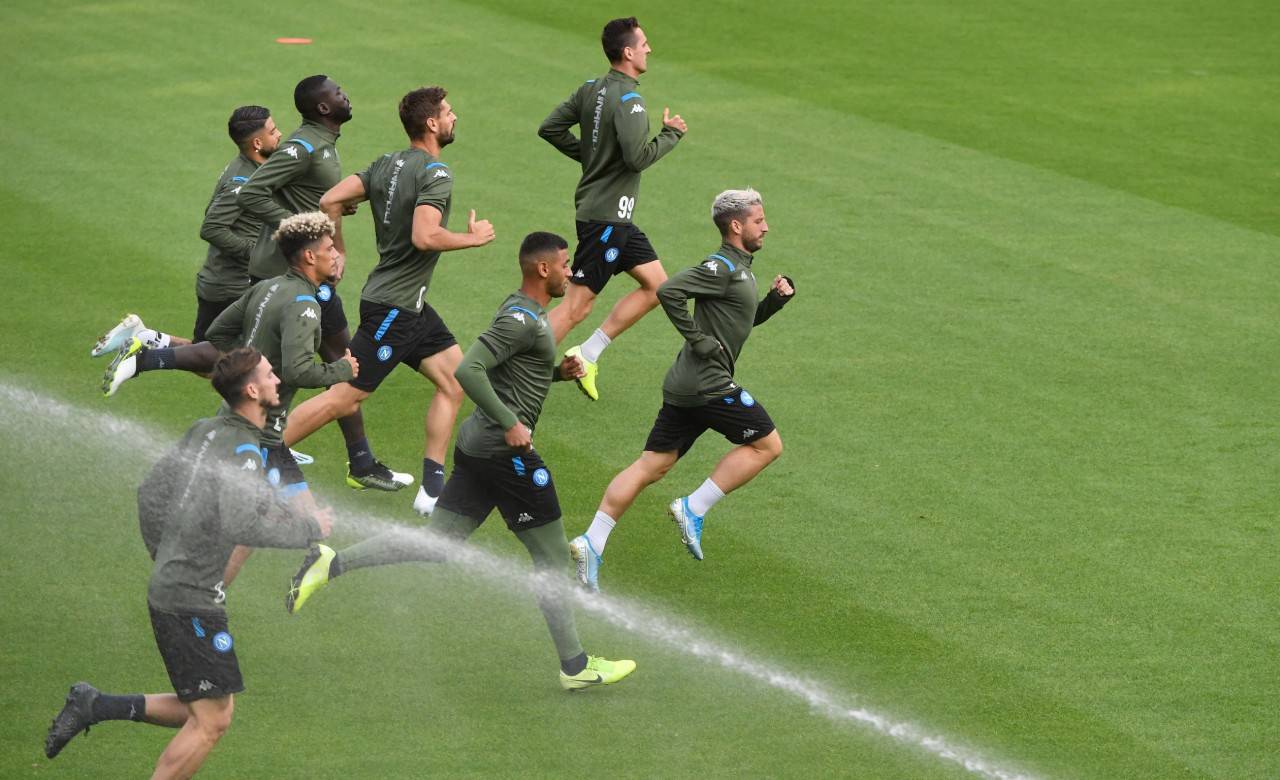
733	204
300	231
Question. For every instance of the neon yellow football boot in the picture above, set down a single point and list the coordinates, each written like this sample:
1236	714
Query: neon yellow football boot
586	382
598	671
311	577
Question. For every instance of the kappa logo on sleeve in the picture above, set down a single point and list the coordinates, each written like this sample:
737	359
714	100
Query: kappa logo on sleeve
710	265
637	109
309	313
326	154
518	317
441	173
292	151
250	465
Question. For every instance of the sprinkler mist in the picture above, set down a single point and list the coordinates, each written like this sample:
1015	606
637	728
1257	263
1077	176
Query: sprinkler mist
31	414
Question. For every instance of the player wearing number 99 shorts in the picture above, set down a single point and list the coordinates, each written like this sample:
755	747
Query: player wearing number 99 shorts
613	148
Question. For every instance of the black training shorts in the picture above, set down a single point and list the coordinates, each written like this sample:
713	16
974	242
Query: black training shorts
198	653
519	485
283	472
388	336
206	313
605	250
738	416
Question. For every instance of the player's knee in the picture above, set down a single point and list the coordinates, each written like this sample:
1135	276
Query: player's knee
770	446
581	309
451	391
213	725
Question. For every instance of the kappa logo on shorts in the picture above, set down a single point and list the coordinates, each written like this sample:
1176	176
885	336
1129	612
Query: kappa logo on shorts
747	400
579	275
541	477
524	517
222	641
384	353
325	292
748	433
611	255
205	685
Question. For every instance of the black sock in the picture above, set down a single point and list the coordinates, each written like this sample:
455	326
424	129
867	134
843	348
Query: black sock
574	665
335	565
432	477
127	707
154	359
361	456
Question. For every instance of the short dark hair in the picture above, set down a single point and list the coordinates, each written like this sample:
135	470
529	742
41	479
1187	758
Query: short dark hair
300	231
245	121
232	371
539	243
306	96
418	106
617	35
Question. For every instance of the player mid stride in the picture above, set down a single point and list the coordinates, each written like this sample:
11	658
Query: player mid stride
700	391
613	149
507	372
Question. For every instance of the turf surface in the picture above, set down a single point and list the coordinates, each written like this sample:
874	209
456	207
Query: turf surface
1027	388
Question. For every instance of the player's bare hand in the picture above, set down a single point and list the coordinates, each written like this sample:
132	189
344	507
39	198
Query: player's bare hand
481	230
355	364
572	368
519	437
783	285
324	518
674	122
350	207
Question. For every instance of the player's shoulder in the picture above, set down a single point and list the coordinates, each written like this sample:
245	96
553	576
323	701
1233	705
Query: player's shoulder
433	170
717	263
303	300
517	315
301	144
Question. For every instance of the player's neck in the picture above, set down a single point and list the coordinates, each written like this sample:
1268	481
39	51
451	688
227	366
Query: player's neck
736	243
309	273
252	411
255	155
626	69
428	143
536	289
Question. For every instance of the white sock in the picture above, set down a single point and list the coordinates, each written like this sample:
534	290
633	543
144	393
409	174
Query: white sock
592	347
705	497
598	533
152	339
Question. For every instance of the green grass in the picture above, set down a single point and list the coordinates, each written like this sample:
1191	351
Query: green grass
1027	388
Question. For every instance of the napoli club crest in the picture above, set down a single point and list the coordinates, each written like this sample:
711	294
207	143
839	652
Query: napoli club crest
611	255
384	353
325	292
541	477
222	641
